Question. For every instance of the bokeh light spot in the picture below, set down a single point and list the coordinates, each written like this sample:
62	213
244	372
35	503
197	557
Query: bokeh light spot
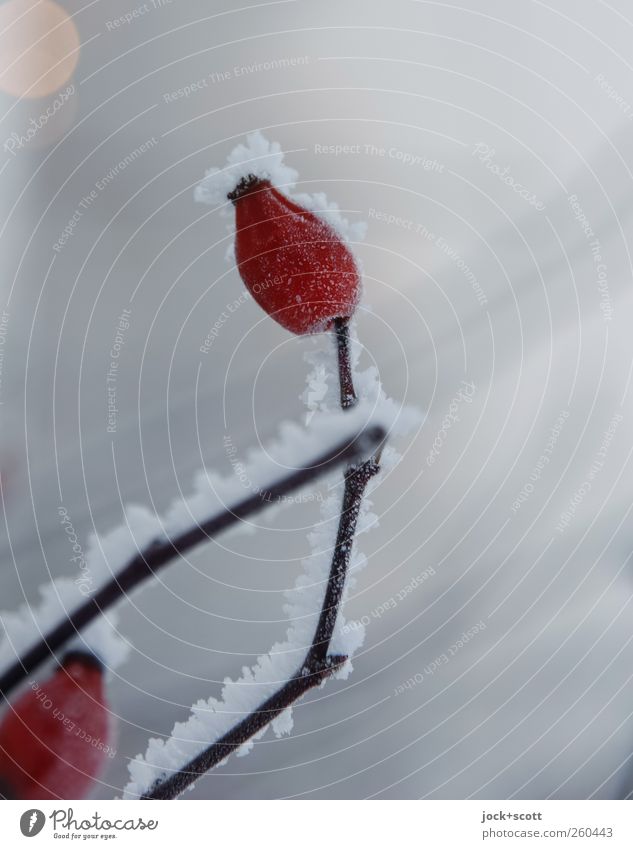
39	47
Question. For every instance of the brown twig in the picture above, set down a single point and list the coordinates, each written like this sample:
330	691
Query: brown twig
160	553
319	664
346	381
356	480
175	784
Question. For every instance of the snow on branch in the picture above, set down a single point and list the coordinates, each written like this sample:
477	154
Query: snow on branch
131	553
317	644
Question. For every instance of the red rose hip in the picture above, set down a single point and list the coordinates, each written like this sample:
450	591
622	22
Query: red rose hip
294	263
54	740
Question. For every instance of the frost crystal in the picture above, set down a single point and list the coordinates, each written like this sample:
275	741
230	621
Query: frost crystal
213	718
265	159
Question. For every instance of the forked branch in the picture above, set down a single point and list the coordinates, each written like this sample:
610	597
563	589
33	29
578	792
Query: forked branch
161	553
319	664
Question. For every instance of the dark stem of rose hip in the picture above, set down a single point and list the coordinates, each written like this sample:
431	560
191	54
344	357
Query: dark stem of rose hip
348	393
245	185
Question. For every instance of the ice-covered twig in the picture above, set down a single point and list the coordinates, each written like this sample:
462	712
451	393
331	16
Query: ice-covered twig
161	552
356	480
255	722
319	663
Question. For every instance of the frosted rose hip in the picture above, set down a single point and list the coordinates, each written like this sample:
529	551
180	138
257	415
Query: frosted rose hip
54	740
294	263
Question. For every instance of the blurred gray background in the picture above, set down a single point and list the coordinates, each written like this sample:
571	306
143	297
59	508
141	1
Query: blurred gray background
477	132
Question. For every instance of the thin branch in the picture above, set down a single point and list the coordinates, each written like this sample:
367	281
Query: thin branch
294	689
162	552
356	480
346	381
319	664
